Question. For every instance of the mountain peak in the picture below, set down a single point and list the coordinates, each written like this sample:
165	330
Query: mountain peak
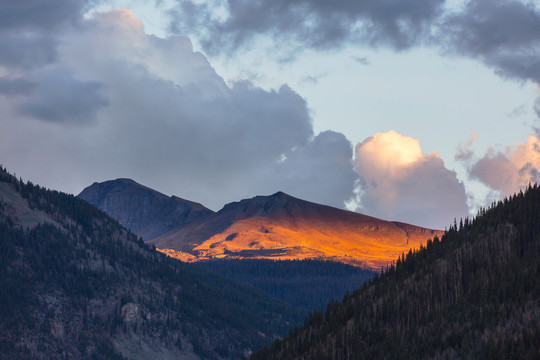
280	226
280	194
146	212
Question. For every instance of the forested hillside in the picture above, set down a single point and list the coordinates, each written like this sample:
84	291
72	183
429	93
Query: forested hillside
306	284
473	294
75	284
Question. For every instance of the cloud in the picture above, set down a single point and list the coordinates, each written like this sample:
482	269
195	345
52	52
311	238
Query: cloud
11	86
156	111
318	24
58	97
27	49
510	171
503	34
361	60
42	14
29	30
313	79
464	152
321	171
401	183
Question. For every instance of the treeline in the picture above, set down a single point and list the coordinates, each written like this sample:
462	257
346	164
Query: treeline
306	284
82	286
475	293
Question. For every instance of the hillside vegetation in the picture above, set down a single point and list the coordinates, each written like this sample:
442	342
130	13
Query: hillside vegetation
305	284
475	293
75	284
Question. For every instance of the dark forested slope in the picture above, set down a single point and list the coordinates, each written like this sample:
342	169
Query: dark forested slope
306	284
75	284
473	294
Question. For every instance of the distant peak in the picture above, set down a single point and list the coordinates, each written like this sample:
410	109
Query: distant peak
125	180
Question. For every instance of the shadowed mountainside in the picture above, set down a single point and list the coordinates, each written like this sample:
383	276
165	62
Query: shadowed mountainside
144	211
475	294
76	284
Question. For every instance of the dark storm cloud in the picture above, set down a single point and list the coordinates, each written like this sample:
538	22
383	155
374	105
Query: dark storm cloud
40	14
319	24
15	86
27	49
29	29
504	34
58	97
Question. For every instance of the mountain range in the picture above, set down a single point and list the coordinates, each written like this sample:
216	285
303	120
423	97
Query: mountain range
278	226
75	284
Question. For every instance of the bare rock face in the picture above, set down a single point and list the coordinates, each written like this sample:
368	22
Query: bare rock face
131	313
144	211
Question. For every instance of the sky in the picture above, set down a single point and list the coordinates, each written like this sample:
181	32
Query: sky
418	111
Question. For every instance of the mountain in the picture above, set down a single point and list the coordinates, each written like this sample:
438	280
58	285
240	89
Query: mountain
286	228
144	211
474	294
306	285
75	284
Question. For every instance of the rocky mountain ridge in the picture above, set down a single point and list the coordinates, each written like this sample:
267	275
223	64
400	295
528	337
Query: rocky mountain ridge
146	212
278	226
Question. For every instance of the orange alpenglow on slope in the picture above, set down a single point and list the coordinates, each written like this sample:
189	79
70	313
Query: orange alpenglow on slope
282	227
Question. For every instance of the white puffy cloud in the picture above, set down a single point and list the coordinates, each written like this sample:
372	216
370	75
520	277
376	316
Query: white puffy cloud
401	183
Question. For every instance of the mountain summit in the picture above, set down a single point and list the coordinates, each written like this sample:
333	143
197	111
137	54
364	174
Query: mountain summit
146	212
277	226
283	227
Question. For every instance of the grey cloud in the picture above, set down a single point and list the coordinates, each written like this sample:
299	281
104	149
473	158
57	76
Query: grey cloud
29	29
361	60
321	171
41	14
504	34
15	86
313	79
175	126
58	97
319	24
27	49
509	171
